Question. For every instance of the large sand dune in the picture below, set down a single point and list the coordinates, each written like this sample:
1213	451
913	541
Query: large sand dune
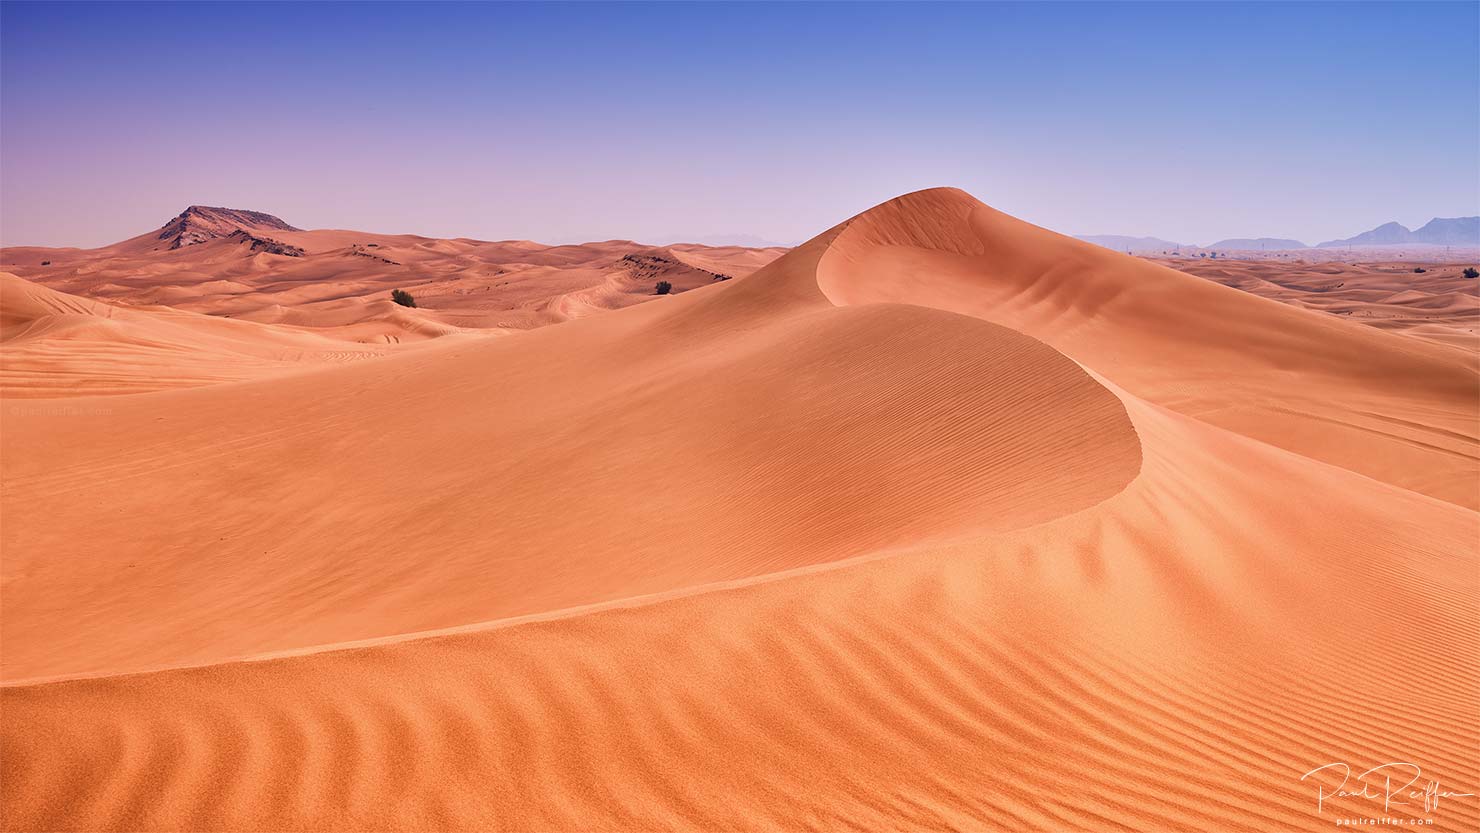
939	520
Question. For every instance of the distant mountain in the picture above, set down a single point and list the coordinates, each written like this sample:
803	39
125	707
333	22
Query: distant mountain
1452	231
1122	243
1255	244
1386	234
1440	231
749	241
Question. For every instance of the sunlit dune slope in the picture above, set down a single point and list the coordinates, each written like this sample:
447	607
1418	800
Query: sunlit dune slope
1433	301
1096	672
606	458
53	344
939	521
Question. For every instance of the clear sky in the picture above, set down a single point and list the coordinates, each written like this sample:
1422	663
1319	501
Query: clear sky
568	122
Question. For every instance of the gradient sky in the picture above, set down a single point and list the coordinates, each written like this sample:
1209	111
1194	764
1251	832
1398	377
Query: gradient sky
569	122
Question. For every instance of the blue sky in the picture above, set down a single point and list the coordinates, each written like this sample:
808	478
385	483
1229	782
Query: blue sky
567	122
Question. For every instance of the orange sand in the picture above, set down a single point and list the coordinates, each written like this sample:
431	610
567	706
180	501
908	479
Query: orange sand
940	520
343	279
1439	303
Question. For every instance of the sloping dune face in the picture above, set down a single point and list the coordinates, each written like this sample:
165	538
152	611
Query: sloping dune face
58	345
553	478
1394	408
893	534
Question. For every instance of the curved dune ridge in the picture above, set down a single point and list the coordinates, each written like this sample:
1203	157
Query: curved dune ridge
1394	408
320	508
939	521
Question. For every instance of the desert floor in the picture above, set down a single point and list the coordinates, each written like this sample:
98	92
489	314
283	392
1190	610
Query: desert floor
940	520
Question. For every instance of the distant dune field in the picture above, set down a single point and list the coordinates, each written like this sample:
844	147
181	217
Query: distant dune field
1430	300
940	520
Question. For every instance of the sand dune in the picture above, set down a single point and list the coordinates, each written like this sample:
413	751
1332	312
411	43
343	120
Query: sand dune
1087	674
888	424
255	266
177	302
1437	303
938	521
1393	408
53	344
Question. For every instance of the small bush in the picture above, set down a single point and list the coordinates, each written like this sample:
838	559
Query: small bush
403	298
663	288
1471	273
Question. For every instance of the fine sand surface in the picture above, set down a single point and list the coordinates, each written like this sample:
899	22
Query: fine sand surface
254	266
173	308
938	521
1437	303
58	345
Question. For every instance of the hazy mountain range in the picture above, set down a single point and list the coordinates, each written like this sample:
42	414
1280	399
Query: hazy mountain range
1123	243
1259	243
1453	231
1440	231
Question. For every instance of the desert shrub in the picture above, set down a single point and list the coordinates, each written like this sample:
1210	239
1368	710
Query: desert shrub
663	288
1471	273
403	298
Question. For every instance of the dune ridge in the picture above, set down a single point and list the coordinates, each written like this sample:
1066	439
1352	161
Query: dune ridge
938	521
864	395
1394	408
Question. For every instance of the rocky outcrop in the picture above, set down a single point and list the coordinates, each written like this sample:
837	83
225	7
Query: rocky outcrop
643	266
265	244
200	223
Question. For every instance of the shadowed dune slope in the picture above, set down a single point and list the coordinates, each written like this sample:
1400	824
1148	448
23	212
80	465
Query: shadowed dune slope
935	522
